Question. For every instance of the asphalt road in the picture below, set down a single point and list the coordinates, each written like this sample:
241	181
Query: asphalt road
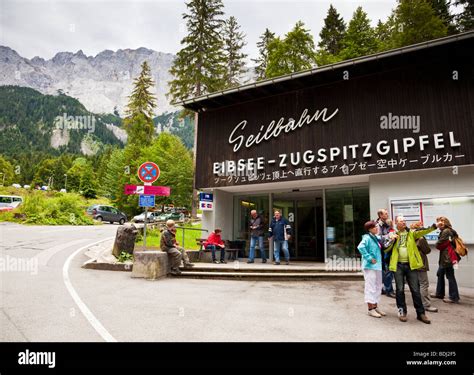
57	300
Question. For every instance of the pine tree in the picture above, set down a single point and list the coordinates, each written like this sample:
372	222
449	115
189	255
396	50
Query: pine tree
360	37
234	57
384	32
442	10
465	19
199	66
415	22
292	54
262	60
332	32
140	109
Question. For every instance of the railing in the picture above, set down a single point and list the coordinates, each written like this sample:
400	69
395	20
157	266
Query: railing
187	228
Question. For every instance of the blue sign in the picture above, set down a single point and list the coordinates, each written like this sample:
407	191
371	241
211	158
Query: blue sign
146	200
206	197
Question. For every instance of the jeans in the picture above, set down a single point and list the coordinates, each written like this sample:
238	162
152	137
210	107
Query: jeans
405	273
424	288
387	279
253	242
277	245
213	249
453	285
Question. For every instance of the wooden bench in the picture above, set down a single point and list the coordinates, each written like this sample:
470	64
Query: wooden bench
229	248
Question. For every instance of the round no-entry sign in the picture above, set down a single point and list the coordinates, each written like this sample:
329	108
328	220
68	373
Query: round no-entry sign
148	172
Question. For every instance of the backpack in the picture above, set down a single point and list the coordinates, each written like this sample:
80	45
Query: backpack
460	248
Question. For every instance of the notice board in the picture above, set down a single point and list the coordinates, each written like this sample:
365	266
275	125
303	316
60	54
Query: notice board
458	209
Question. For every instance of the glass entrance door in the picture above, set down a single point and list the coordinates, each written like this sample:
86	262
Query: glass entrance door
306	218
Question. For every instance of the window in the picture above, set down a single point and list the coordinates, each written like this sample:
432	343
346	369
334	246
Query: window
346	212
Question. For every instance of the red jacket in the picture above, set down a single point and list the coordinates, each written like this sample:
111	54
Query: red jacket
214	239
451	252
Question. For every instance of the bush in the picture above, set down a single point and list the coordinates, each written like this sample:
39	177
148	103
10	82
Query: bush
51	208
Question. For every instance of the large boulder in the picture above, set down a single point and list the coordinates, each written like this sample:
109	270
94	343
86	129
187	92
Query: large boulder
125	239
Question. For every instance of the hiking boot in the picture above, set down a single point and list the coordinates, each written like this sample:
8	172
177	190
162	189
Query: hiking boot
175	272
436	296
423	318
402	315
380	311
373	313
431	309
448	300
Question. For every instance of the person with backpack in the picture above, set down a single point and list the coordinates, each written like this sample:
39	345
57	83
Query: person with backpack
448	258
370	249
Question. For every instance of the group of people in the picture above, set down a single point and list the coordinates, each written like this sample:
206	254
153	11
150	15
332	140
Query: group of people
279	232
400	252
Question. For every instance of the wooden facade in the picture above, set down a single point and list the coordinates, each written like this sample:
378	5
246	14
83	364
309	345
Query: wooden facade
434	89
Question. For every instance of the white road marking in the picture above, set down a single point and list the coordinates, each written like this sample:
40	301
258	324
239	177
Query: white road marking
45	255
82	306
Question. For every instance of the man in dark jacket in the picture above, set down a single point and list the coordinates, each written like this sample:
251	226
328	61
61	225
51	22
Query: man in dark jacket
280	232
424	249
445	245
256	224
169	245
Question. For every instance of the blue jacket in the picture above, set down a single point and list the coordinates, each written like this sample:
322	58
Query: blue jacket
369	249
277	229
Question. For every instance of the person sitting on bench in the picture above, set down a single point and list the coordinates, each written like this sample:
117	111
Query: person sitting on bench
213	242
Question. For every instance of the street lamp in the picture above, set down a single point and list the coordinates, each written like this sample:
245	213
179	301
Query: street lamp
65	182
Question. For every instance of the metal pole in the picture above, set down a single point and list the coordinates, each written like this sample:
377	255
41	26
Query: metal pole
144	228
182	243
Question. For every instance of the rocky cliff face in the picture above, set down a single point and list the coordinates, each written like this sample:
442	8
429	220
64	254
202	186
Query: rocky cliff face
100	82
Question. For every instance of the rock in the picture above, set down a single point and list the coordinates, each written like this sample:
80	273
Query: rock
125	239
150	264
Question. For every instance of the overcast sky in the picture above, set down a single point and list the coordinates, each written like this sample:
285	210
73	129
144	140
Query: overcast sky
45	27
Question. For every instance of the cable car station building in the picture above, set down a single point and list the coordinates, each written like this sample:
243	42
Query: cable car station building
330	146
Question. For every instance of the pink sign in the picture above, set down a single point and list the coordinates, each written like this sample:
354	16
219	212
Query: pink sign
148	190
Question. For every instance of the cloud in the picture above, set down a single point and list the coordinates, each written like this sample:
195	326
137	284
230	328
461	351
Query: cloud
45	27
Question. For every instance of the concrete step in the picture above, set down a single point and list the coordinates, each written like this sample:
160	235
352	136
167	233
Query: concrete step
280	276
257	269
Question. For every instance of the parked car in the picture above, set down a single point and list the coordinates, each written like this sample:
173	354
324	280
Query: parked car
111	214
171	216
150	217
9	202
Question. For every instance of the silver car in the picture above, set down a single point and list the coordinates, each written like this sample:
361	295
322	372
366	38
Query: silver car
111	214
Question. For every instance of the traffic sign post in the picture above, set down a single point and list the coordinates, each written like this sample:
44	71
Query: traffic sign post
148	172
146	201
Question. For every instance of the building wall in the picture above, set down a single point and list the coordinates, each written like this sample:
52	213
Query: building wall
428	182
221	216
